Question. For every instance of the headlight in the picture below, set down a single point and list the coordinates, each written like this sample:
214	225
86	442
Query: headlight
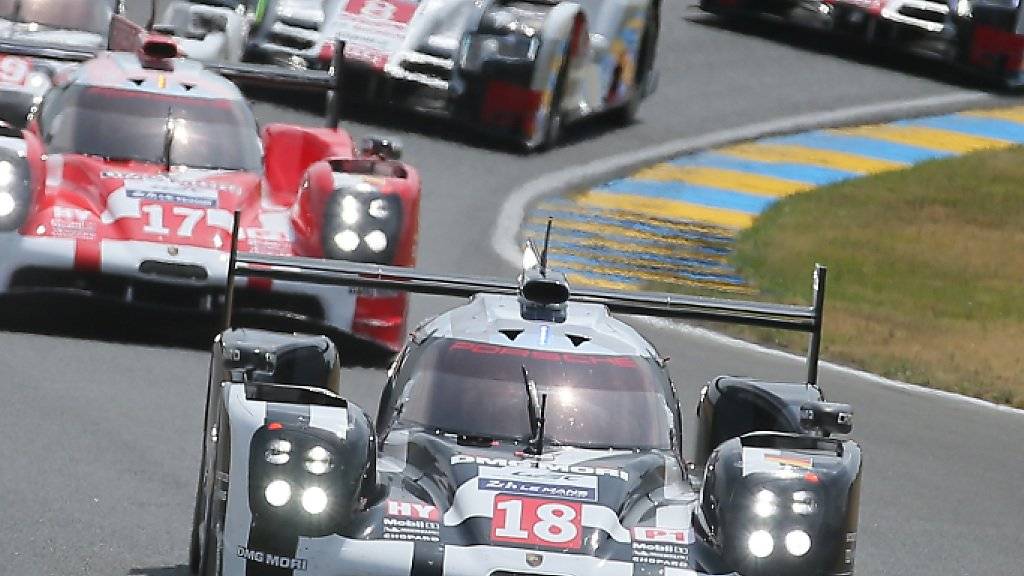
764	504
760	544
379	209
347	240
798	542
278	451
7	203
38	82
482	48
351	210
15	190
362	224
803	503
376	241
318	460
278	493
314	500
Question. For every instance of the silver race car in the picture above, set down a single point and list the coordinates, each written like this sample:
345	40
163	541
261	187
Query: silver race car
63	24
527	432
517	68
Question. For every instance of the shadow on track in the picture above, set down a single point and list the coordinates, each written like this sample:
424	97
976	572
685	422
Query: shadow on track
846	48
108	322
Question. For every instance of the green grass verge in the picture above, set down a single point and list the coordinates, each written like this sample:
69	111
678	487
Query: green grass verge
926	271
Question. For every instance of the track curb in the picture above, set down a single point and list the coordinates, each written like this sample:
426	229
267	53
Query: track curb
513	211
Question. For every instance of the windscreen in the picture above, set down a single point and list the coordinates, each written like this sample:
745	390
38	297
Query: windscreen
146	127
593	400
85	15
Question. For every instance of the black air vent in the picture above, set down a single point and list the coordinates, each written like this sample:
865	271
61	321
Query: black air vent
511	334
576	339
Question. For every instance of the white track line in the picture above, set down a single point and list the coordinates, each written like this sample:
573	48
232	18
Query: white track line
513	211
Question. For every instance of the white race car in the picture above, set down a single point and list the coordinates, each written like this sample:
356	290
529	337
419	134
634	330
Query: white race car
521	68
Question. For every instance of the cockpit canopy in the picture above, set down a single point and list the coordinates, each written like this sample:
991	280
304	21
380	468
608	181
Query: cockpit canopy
477	389
133	125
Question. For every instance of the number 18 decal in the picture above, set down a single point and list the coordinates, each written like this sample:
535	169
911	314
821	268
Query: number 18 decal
537	521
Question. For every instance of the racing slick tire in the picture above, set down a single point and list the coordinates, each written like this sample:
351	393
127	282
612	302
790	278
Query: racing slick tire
626	114
194	553
551	131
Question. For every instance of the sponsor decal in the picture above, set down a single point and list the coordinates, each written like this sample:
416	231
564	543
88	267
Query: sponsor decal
668	535
164	188
372	29
757	460
14	70
662	546
537	522
412	522
548	466
260	557
538	482
661	554
587	359
72	223
793	461
413	510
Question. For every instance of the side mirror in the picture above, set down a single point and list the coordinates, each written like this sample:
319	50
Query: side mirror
826	417
383	148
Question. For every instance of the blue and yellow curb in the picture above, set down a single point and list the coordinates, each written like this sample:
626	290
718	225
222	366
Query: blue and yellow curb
672	225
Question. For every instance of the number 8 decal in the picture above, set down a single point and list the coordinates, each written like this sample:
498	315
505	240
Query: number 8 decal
537	522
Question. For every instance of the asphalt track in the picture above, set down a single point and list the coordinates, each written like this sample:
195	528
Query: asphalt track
100	418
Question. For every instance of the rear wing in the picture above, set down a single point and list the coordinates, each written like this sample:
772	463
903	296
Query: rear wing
654	304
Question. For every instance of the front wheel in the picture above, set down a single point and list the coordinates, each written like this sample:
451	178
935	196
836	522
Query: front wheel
549	132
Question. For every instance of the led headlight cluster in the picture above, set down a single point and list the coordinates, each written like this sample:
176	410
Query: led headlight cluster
769	507
483	48
316	461
775	513
14	190
362	225
279	492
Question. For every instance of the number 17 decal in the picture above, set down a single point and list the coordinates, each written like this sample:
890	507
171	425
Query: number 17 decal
538	522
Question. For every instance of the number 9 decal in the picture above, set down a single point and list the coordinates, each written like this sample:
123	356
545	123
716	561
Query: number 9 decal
537	522
14	70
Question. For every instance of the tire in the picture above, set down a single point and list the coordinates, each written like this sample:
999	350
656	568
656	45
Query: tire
627	113
551	132
211	557
194	553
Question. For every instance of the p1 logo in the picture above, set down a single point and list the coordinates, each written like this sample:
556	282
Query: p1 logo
537	522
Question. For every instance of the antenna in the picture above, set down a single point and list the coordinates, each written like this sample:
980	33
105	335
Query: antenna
544	252
818	308
229	288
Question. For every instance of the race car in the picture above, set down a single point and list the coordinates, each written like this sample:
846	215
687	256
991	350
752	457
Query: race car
517	68
68	24
123	186
983	37
526	432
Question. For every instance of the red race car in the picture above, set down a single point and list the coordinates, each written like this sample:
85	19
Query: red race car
125	182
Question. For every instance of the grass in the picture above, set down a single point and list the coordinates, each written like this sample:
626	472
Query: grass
926	271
